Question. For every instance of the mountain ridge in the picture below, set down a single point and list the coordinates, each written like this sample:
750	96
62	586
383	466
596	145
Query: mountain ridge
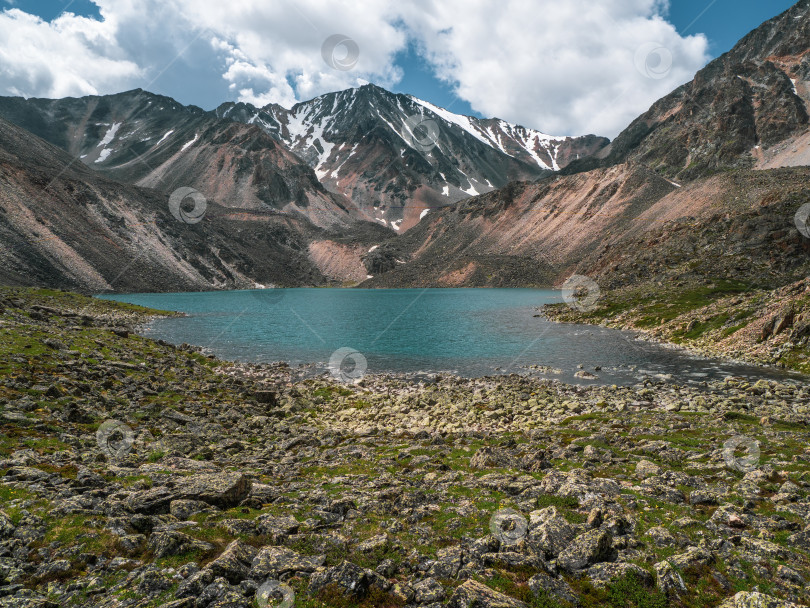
367	160
64	225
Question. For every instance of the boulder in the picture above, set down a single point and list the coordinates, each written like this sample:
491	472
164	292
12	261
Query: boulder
223	490
428	590
350	579
668	579
544	584
489	457
645	469
234	562
588	548
168	543
553	535
272	562
473	594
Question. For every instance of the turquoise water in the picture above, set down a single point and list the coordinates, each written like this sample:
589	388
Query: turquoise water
470	332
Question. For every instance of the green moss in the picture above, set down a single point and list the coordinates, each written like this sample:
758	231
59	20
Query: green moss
155	456
628	591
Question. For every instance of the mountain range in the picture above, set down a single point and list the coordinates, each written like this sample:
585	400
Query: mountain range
351	155
368	187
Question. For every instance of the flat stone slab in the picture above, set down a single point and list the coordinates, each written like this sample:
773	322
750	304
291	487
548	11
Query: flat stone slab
223	490
275	561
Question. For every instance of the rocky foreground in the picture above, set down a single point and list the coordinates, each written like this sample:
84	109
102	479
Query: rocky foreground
136	473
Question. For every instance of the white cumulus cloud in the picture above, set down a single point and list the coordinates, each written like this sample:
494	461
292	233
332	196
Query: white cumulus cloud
569	67
69	56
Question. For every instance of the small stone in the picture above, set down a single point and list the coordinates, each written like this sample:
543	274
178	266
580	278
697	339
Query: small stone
428	590
645	469
374	543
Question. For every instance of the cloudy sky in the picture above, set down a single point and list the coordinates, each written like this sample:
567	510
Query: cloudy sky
566	67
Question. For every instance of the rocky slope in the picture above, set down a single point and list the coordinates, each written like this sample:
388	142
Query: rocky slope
621	225
63	225
396	155
149	140
524	234
747	108
688	193
135	473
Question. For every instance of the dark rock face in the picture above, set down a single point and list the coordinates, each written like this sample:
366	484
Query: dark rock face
382	259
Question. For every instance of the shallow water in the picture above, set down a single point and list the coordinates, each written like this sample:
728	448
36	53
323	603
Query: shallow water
469	332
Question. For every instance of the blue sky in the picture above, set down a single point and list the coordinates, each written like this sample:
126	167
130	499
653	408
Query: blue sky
449	72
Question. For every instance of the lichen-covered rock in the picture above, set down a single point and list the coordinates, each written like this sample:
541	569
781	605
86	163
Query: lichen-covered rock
428	590
194	584
274	562
602	574
491	457
553	534
645	469
544	584
222	490
184	509
473	594
349	579
234	562
168	543
754	599
588	548
374	543
668	579
6	527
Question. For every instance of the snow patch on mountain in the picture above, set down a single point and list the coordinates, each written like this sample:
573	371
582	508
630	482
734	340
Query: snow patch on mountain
457	119
109	135
504	137
162	139
196	137
105	153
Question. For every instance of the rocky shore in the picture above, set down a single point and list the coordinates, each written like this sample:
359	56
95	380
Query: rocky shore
720	319
135	473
